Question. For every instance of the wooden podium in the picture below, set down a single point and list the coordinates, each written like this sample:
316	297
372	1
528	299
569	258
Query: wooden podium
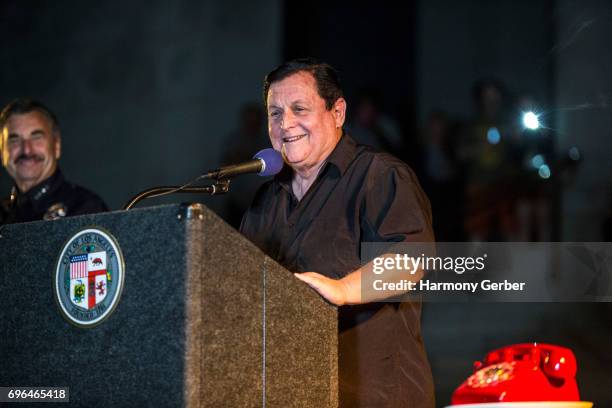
204	318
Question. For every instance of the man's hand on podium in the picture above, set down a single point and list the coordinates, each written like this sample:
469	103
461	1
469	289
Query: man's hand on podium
335	291
349	291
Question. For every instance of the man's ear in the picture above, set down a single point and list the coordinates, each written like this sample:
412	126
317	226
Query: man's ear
339	111
58	145
2	148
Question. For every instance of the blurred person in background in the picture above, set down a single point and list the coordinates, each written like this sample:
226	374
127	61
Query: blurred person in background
371	126
486	152
536	164
31	147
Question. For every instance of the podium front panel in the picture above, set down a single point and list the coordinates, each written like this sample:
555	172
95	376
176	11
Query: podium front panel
204	318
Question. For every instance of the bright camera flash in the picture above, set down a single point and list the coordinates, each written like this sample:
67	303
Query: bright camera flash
531	121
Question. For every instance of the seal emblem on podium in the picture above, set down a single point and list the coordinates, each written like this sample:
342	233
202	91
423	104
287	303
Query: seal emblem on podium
89	277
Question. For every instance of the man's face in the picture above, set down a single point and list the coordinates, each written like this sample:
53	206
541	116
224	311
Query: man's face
30	149
299	124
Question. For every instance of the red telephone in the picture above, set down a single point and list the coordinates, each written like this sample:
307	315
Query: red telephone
521	372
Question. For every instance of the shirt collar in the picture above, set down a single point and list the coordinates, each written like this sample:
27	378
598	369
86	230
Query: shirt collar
344	153
341	158
42	189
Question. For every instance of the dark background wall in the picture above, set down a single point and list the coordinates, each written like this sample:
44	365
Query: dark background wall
371	47
148	93
583	97
461	42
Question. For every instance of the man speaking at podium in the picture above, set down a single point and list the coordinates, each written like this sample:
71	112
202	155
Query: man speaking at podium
314	215
30	144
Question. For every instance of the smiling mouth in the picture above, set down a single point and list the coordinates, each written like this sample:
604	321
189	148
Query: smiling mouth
292	139
28	160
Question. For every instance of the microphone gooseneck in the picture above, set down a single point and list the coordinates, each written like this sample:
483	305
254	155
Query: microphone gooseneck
265	163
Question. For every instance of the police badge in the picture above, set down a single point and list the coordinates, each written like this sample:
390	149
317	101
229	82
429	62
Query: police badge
89	277
55	212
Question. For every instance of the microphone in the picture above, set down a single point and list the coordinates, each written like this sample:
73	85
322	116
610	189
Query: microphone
266	162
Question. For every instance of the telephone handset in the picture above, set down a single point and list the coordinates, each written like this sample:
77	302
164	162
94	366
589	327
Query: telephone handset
522	372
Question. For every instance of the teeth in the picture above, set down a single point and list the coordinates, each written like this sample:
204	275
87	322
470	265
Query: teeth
292	138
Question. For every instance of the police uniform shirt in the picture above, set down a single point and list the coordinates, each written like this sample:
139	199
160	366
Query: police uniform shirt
53	198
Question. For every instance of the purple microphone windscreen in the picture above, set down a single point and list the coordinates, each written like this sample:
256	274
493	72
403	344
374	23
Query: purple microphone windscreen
273	162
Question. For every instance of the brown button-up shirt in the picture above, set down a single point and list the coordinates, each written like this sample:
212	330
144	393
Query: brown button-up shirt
360	195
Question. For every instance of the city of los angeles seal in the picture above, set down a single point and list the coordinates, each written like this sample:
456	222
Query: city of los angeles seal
89	277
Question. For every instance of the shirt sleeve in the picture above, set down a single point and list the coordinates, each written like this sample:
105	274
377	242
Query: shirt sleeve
395	207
